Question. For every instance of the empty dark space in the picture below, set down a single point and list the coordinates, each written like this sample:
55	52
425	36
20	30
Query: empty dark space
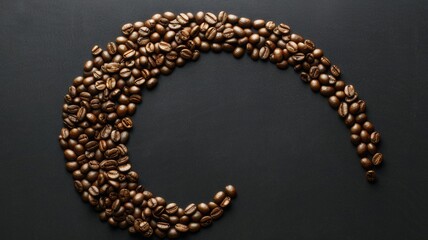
221	121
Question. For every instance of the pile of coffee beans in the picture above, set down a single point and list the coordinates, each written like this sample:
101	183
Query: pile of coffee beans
99	105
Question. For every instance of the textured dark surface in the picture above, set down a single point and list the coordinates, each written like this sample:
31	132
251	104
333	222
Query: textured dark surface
222	120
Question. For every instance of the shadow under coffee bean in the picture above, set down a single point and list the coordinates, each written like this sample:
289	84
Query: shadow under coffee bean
99	105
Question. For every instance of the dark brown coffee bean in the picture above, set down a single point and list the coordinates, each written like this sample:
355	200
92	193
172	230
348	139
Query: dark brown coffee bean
210	18
335	70
368	126
327	91
355	139
206	221
362	149
190	209
127	28
371	148
216	213
349	91
366	163
203	208
219	197
343	109
181	227
194	227
334	102
70	155
375	137
171	208
226	202
371	176
377	159
264	53
210	33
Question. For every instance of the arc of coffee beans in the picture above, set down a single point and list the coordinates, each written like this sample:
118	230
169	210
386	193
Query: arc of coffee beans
99	105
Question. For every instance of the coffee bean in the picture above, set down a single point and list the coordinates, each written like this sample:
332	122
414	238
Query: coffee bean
203	208
190	209
334	102
226	201
210	33
127	28
375	137
206	221
194	227
349	91
366	163
210	18
362	149
335	70
99	104
377	159
230	191
216	213
171	208
343	109
327	91
371	176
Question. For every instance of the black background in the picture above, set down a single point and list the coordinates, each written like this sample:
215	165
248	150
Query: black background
221	120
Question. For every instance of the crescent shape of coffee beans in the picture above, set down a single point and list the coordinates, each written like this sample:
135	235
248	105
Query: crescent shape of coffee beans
99	105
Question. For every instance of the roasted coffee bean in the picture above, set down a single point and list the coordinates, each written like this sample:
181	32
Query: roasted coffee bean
334	102
375	137
226	201
327	91
203	208
362	149
206	221
264	53
366	163
349	91
181	227
216	213
219	197
343	109
377	159
210	18
171	208
194	227
190	209
371	176
230	191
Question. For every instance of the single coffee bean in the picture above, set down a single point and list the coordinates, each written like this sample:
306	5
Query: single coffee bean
343	109
334	102
366	163
194	227
210	18
216	213
327	91
335	70
190	209
355	139
219	197
181	227
171	208
377	159
362	149
349	91
230	191
206	221
203	208
375	137
226	201
127	28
